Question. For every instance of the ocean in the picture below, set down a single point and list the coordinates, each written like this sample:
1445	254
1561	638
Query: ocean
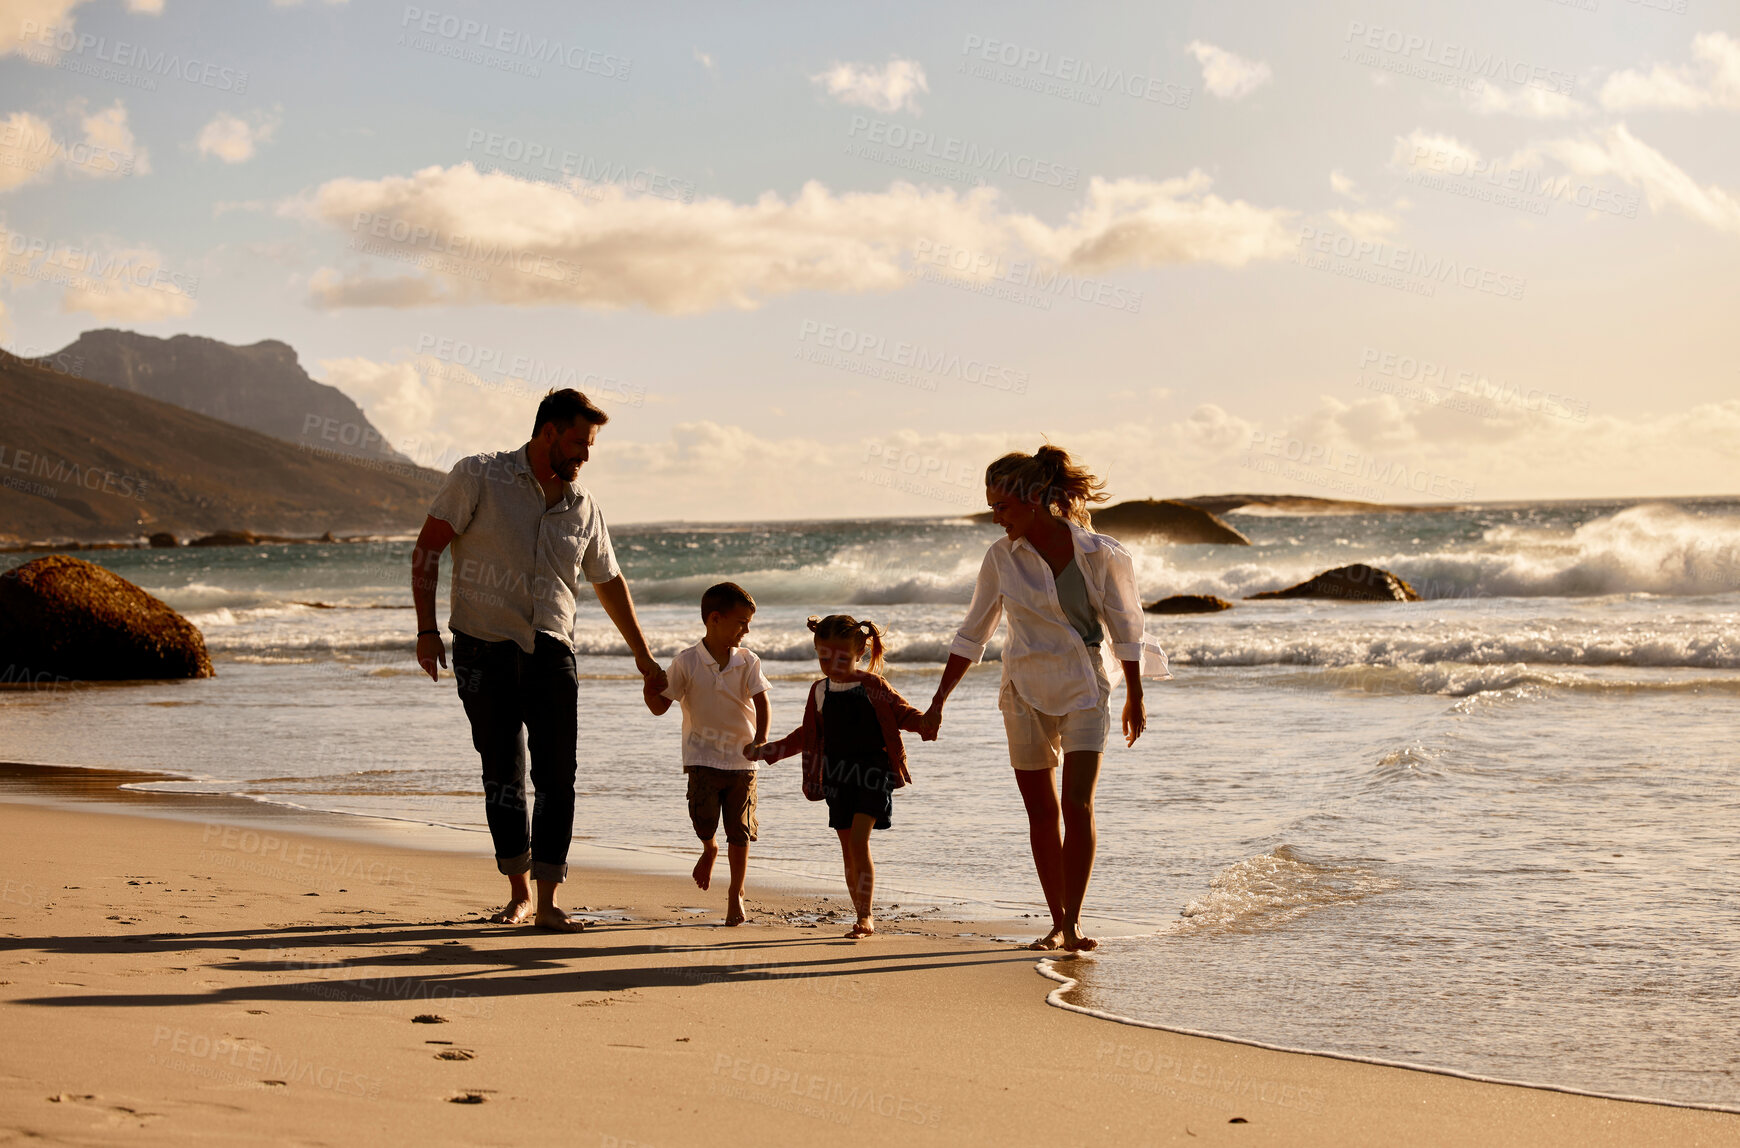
1493	832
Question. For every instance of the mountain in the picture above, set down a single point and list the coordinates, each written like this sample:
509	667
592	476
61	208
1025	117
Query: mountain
261	386
84	461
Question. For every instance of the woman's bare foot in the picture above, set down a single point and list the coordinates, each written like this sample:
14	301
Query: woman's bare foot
514	912
554	920
704	867
1075	942
864	928
734	912
1050	942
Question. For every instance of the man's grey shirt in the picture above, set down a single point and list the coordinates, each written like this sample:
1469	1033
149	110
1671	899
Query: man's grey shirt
517	565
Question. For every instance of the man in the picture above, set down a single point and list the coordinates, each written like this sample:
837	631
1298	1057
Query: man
523	533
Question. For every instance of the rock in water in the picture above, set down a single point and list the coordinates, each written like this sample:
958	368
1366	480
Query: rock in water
1188	604
1356	583
226	538
1171	521
163	540
73	619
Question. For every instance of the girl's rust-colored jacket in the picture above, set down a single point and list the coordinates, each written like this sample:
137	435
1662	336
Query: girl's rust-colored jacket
893	713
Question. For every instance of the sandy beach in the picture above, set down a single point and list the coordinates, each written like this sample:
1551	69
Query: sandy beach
216	980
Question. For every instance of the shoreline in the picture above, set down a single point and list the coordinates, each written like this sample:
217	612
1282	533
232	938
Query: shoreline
195	1002
1204	1070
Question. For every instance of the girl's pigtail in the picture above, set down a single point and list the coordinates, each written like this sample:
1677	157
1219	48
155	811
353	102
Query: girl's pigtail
874	636
813	622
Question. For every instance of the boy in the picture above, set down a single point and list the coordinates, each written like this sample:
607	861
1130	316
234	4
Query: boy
725	714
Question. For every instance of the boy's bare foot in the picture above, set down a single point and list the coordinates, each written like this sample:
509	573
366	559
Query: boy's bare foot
1050	942
734	914
1075	942
554	920
864	928
514	912
704	867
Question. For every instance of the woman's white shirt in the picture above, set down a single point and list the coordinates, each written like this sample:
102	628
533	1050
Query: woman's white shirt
1045	659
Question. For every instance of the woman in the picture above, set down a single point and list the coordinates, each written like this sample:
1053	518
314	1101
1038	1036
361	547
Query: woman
1066	592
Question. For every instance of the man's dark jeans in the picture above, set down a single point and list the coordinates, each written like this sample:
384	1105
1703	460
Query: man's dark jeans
517	701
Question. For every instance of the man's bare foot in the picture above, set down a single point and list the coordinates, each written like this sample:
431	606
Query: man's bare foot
515	912
734	914
1075	942
1050	942
704	867
864	928
554	920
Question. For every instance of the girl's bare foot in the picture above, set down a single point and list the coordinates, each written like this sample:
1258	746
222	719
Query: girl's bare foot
554	920
704	867
864	928
514	912
734	912
1075	942
1050	942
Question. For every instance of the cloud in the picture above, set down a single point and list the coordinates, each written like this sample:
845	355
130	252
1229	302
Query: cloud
1618	153
707	469
1363	224
128	283
436	412
1531	103
1420	148
108	132
30	150
705	60
1228	76
891	88
1713	82
234	139
1342	185
504	240
37	15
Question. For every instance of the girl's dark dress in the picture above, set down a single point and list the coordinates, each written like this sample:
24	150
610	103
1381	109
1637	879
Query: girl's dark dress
855	773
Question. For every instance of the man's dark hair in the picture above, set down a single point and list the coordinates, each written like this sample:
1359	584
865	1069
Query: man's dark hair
563	407
724	598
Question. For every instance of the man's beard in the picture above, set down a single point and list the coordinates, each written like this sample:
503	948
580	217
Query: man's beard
565	468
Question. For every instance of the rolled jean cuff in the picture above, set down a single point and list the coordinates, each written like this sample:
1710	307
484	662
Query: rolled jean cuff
512	866
553	871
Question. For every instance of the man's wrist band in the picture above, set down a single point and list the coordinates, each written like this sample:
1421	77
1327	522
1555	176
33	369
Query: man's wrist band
420	633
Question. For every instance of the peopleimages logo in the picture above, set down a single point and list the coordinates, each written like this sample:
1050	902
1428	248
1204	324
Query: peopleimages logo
521	51
1407	261
972	158
1460	64
1066	76
83	46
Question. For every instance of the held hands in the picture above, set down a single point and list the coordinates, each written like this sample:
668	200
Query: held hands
431	650
931	723
755	751
652	674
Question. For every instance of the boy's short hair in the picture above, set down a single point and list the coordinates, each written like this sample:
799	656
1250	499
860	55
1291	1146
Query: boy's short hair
564	406
724	598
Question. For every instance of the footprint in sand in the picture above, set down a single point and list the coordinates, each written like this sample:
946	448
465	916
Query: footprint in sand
456	1054
428	1018
467	1098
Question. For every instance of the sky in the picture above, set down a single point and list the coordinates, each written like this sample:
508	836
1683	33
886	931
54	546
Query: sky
829	262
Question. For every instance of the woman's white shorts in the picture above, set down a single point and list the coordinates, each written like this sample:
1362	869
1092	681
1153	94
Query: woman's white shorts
1039	741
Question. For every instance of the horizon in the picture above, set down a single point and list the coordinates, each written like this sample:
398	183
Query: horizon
1386	254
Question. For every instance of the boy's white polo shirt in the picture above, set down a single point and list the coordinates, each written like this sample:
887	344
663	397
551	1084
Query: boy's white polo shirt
718	710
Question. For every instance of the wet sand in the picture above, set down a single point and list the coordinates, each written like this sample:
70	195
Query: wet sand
250	978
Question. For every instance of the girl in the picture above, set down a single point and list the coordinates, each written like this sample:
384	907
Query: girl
850	741
1066	591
